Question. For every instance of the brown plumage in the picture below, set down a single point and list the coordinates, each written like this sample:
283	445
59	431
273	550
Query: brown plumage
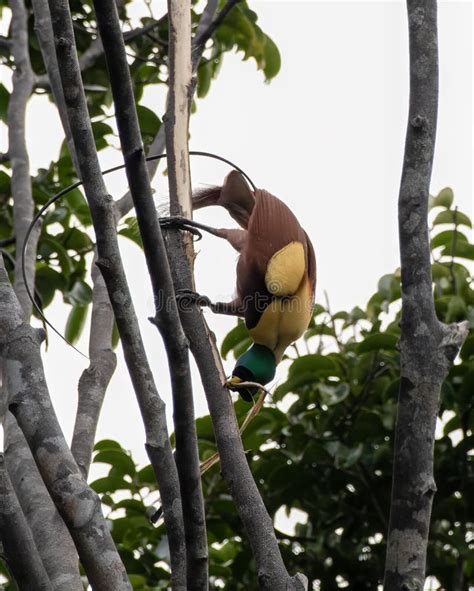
276	270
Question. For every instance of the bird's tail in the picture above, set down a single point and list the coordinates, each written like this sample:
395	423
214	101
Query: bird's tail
234	195
206	196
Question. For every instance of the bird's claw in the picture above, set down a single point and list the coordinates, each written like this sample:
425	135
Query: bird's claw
180	223
185	297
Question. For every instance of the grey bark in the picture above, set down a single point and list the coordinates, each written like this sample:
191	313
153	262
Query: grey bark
167	317
18	547
427	346
44	33
101	205
30	403
23	79
95	379
51	536
59	555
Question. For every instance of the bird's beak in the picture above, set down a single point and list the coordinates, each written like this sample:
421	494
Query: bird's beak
232	381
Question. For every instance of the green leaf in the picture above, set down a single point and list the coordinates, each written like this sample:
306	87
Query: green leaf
5	186
242	347
107	444
317	310
340	315
4	100
80	294
355	315
459	249
117	458
58	214
204	77
467	350
204	428
148	120
235	337
132	506
100	129
146	476
49	245
132	231
348	456
272	59
137	580
447	237
305	372
456	309
452	425
331	395
439	270
318	330
444	198
110	484
75	323
452	217
76	240
78	205
368	424
375	342
47	282
389	287
319	365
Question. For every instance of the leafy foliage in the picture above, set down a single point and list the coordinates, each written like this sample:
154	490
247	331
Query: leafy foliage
323	446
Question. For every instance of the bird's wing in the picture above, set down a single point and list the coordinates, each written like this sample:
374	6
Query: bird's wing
311	265
274	259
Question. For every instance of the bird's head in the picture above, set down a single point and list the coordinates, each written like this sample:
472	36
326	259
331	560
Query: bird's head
258	364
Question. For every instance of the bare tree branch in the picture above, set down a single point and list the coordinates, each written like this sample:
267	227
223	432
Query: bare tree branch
95	379
44	33
427	346
101	205
31	405
18	547
177	111
23	79
167	317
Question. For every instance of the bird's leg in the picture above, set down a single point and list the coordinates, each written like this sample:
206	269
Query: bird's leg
187	297
182	223
235	237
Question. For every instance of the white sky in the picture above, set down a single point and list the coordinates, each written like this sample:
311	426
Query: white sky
326	136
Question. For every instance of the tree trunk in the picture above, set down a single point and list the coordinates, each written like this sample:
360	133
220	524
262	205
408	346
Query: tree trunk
427	346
